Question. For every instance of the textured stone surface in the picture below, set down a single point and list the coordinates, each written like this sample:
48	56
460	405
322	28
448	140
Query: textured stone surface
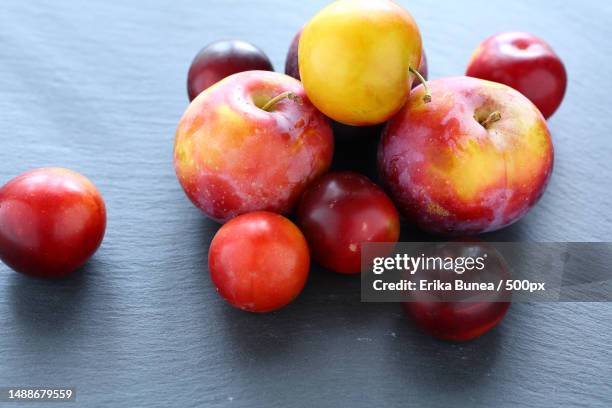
99	86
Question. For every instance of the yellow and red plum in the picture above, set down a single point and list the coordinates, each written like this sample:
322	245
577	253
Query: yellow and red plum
473	160
232	157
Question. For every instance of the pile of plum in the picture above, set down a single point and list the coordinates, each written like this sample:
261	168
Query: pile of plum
457	157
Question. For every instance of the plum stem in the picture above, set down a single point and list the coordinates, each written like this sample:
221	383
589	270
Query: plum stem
492	118
423	81
285	95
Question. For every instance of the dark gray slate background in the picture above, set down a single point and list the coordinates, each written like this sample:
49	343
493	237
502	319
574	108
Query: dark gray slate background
99	86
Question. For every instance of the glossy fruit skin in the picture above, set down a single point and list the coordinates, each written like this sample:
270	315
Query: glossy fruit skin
231	157
259	262
462	320
456	321
222	59
340	212
449	174
52	220
354	58
525	63
341	132
293	70
292	67
345	133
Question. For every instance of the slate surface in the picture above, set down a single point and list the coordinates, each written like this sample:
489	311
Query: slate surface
99	86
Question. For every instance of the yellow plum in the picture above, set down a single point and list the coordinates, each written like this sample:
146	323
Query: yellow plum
355	60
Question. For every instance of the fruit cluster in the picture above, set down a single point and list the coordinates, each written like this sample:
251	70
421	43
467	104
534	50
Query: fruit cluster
457	156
